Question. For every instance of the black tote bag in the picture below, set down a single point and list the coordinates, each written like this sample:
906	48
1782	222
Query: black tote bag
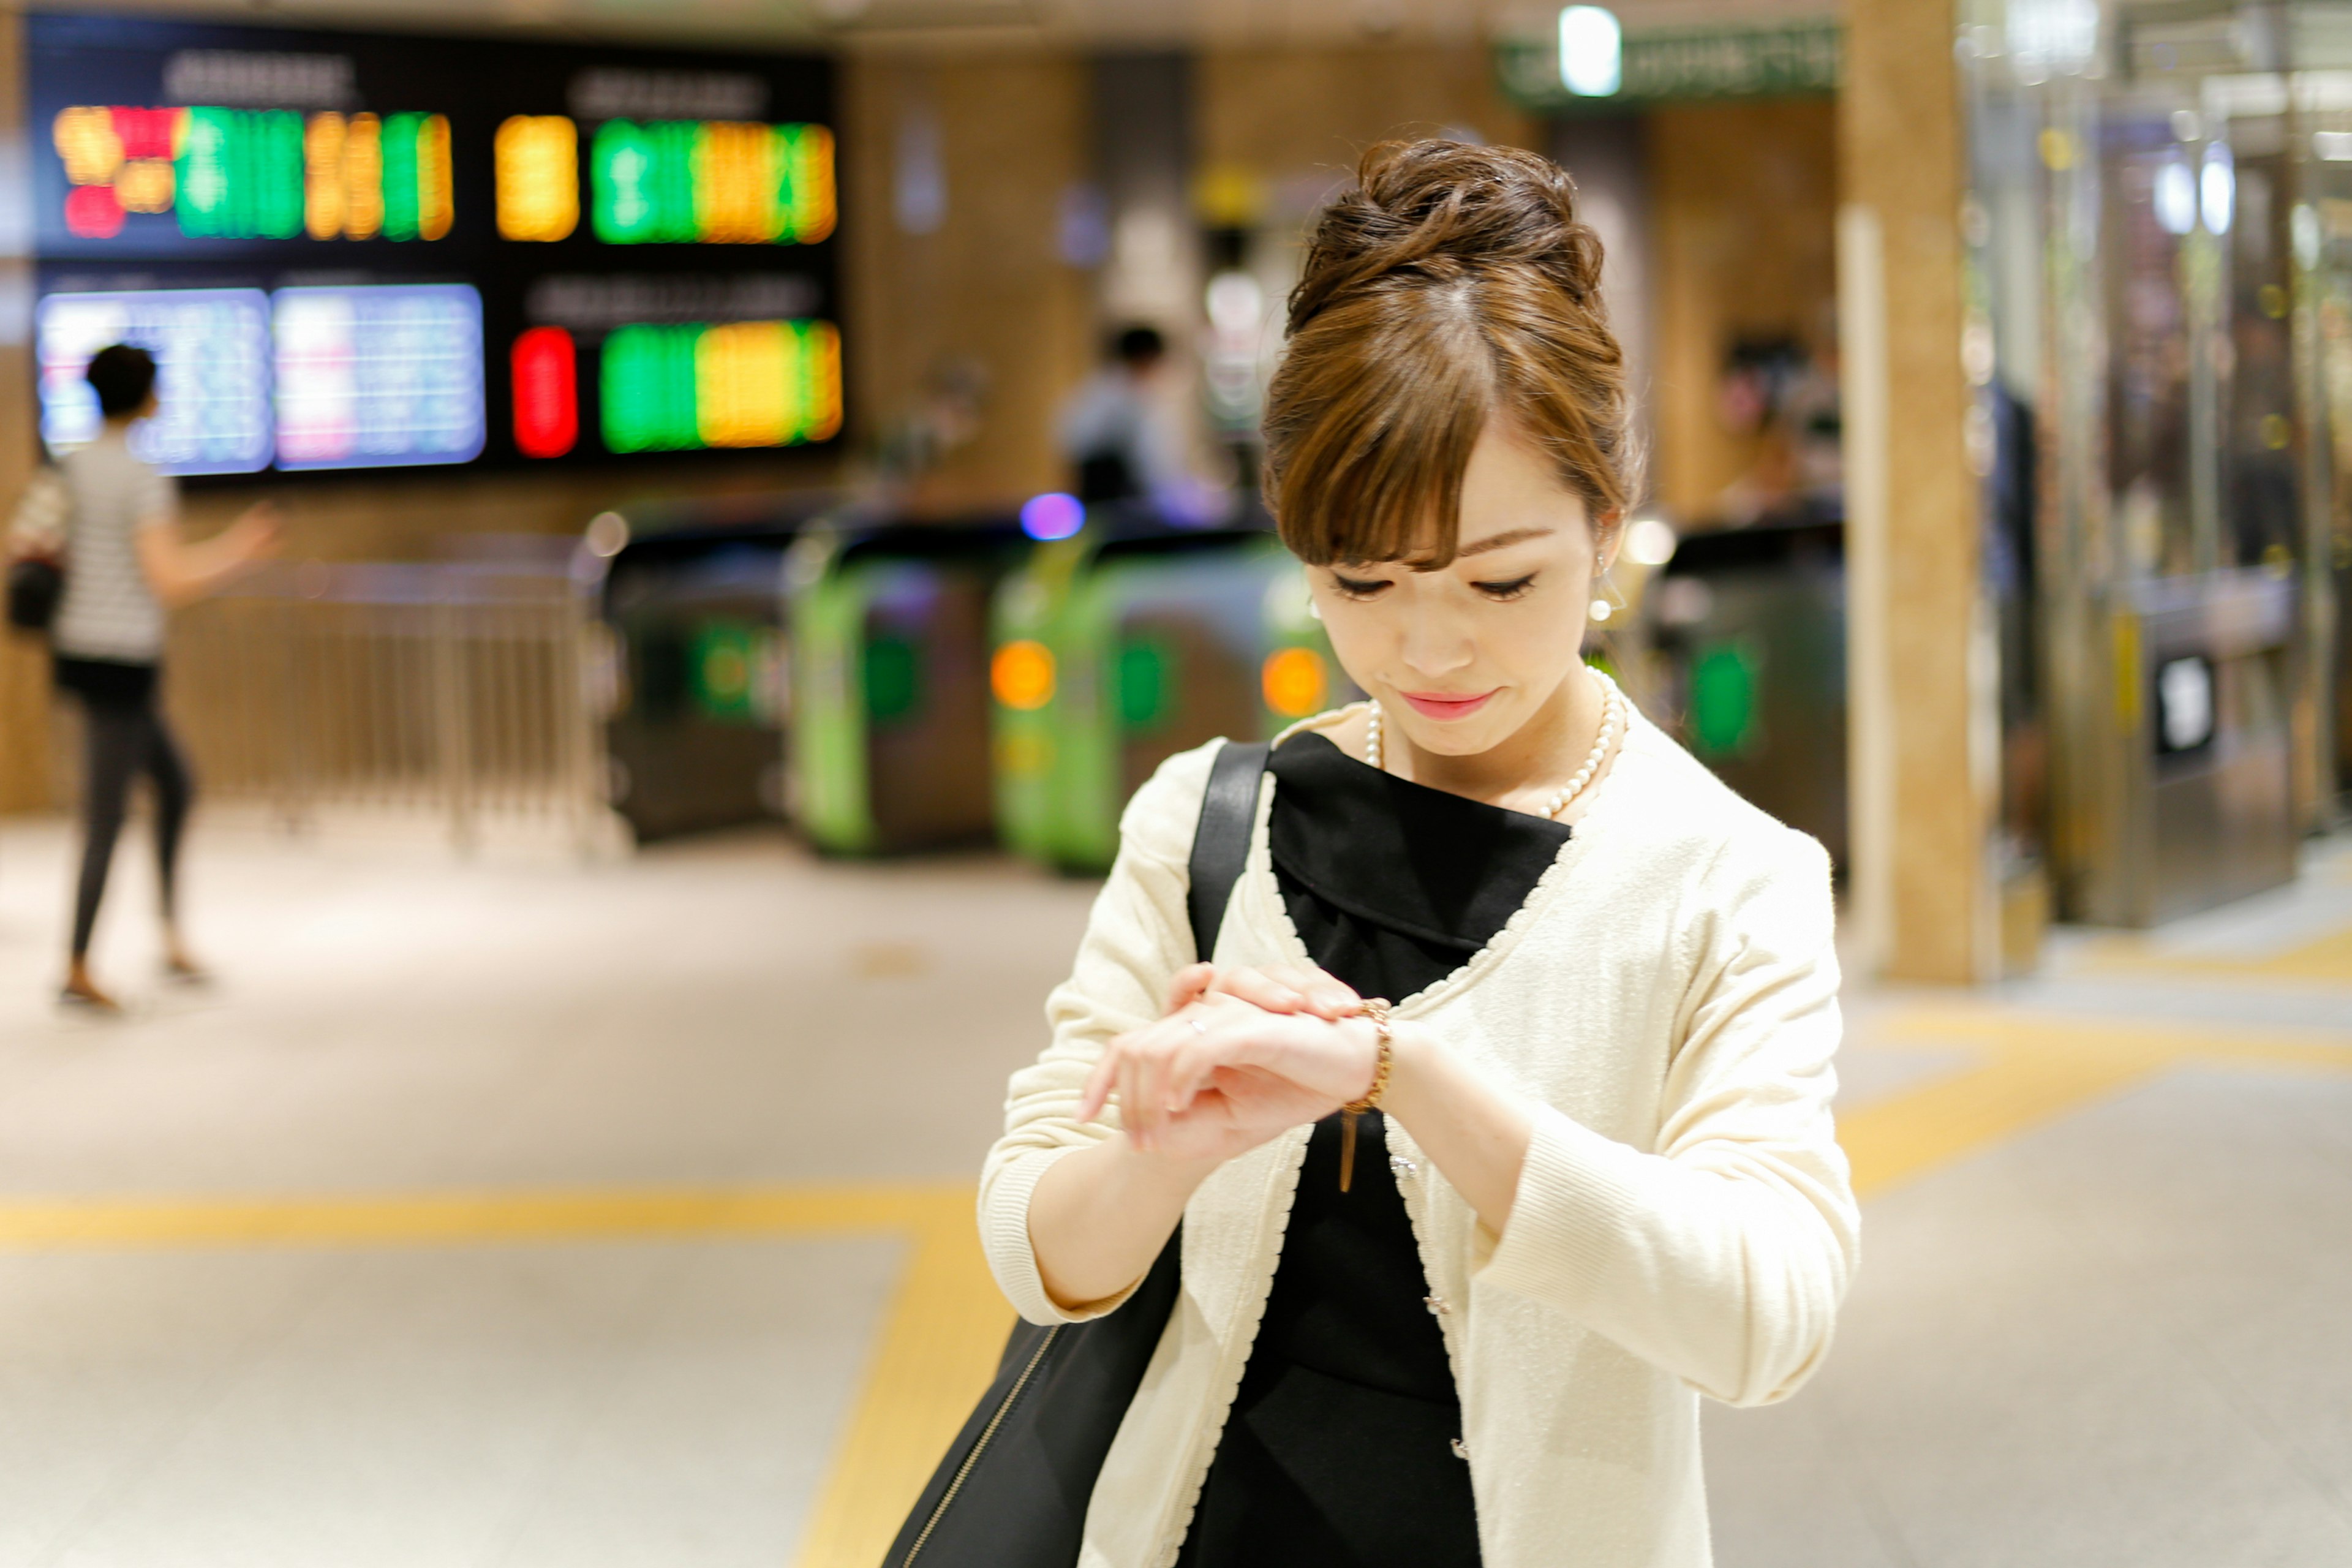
1013	1489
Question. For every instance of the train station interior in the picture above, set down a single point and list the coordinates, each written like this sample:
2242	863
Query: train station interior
679	728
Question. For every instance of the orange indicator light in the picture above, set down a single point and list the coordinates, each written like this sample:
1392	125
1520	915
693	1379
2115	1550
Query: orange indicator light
1294	682
1022	675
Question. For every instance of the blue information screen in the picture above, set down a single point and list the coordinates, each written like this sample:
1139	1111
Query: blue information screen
211	349
383	377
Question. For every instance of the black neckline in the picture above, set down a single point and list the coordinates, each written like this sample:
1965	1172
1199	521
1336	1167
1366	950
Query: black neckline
1438	867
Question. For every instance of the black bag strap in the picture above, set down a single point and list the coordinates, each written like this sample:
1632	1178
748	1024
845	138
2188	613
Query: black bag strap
1221	839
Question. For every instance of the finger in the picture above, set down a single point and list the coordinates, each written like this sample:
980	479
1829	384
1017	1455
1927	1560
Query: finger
1133	1110
1325	994
1098	1084
1189	984
1260	988
1152	1077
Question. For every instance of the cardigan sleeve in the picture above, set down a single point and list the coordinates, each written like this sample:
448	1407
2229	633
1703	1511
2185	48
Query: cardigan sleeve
1721	1256
1137	938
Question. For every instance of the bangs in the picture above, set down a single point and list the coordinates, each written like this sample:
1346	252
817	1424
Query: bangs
1372	468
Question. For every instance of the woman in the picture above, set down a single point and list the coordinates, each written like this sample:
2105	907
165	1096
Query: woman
1601	1178
125	562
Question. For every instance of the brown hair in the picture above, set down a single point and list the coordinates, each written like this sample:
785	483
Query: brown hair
1449	284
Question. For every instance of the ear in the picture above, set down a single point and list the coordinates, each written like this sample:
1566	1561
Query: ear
1608	534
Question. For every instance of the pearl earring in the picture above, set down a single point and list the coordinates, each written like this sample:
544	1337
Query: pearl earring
1599	611
1314	609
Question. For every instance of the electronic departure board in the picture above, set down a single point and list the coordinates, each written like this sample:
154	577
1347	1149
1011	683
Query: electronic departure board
360	251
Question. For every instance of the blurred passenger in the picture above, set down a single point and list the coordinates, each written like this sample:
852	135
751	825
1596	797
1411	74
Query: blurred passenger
1595	1173
116	525
1119	437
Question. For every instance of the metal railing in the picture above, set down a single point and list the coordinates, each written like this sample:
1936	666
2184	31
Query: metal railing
466	688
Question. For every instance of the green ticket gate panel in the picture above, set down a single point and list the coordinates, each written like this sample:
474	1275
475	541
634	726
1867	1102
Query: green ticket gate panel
890	626
695	739
1118	648
1751	627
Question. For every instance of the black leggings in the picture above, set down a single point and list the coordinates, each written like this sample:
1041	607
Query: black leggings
121	740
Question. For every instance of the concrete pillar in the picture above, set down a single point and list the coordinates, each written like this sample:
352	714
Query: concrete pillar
1925	733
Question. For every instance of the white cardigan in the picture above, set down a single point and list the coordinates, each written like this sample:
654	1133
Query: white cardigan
1667	1004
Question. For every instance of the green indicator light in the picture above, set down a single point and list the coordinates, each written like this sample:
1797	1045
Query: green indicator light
722	670
647	389
893	680
1142	683
1723	700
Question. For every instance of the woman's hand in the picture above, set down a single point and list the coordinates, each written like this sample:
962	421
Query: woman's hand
1224	1075
1277	987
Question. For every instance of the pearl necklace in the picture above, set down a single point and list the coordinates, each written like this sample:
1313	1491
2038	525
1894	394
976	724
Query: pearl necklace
1613	719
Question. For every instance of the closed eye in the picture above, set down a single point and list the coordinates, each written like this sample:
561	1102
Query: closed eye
1516	588
1358	588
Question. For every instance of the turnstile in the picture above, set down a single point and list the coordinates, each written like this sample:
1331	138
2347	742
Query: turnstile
1128	643
695	736
889	632
1750	627
2194	802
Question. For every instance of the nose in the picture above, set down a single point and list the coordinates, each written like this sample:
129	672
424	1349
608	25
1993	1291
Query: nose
1436	642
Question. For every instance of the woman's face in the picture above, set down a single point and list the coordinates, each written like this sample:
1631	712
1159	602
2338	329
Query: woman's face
1461	658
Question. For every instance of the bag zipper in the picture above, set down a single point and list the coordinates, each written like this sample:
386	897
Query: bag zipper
980	1448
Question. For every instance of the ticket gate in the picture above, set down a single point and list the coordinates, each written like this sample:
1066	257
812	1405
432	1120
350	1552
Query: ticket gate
696	733
890	628
1749	628
1131	641
2184	794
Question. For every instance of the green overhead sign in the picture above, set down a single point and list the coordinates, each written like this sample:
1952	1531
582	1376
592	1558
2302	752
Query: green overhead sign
1669	67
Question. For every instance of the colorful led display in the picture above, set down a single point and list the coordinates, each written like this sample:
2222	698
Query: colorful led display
538	164
238	173
713	182
373	377
546	393
177	157
416	196
746	383
212	356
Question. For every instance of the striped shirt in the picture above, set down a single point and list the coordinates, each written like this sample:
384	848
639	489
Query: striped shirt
109	611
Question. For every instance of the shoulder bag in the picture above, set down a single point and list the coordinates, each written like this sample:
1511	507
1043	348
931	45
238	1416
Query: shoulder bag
36	545
1013	1489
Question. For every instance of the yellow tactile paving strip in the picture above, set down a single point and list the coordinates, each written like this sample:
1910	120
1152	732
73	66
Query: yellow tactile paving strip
948	1322
2326	959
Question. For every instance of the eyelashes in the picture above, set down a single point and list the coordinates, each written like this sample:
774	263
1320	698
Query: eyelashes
1517	588
1363	589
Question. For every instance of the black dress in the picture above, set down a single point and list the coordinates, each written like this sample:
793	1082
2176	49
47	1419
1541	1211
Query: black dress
1339	1451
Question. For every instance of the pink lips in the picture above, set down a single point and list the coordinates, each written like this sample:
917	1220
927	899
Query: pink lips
1440	706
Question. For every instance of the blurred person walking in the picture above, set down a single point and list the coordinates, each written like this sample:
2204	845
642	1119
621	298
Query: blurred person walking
112	522
1454	1268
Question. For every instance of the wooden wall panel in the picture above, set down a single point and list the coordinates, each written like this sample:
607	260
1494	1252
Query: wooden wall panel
1745	203
987	288
1297	119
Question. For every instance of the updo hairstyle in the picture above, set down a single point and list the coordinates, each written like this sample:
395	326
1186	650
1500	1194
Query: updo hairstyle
1449	285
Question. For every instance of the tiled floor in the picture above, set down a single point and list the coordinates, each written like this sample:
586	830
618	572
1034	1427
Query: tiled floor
507	1213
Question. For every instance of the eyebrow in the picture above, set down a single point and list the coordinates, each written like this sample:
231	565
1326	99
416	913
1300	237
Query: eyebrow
1502	540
